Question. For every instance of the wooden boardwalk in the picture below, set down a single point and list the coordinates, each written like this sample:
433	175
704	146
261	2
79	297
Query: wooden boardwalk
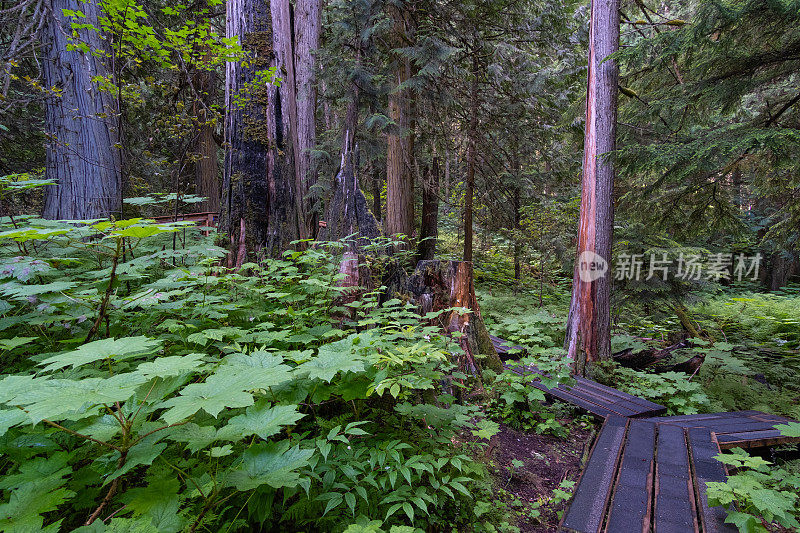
597	399
643	476
737	429
647	472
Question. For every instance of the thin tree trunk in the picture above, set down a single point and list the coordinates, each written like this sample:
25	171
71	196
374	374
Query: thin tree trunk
429	229
589	322
206	169
377	187
399	179
517	203
83	152
472	138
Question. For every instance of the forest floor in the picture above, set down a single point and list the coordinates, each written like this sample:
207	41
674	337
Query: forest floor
531	492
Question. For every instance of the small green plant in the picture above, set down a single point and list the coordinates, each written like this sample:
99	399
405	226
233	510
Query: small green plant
761	493
519	405
674	390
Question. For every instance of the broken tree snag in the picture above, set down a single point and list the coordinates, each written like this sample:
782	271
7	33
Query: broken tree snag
437	285
347	212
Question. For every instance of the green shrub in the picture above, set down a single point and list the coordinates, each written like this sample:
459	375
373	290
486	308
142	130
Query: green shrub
674	390
146	388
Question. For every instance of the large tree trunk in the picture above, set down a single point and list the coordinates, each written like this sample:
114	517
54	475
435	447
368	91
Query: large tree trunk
472	140
429	230
206	169
589	321
83	154
259	196
438	285
399	179
307	24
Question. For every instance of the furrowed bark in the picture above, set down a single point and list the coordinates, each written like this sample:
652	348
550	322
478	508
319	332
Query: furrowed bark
589	321
260	208
83	151
399	179
206	169
429	229
307	34
246	191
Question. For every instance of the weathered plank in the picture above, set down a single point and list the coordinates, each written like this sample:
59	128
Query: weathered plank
594	398
674	497
705	469
631	502
647	409
589	504
746	429
754	439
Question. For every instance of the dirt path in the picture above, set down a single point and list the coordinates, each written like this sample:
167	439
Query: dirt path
528	490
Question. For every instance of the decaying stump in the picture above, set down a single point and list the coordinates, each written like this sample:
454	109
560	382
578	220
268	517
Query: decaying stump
355	281
437	285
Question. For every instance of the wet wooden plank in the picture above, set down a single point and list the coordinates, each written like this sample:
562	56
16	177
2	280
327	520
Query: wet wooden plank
754	439
592	407
674	497
705	469
612	404
742	425
678	419
630	508
503	347
647	404
590	502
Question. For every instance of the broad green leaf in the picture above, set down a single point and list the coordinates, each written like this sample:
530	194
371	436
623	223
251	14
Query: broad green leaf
486	429
332	358
260	419
258	370
22	292
196	437
102	349
212	396
16	342
57	399
173	365
38	488
10	418
274	464
792	429
142	453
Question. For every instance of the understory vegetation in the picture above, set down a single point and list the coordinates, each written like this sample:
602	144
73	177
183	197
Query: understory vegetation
293	265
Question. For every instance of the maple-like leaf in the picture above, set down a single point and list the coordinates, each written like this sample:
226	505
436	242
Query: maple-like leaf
260	419
332	358
102	349
274	464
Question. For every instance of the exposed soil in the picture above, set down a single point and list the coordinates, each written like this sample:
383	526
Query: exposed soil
547	461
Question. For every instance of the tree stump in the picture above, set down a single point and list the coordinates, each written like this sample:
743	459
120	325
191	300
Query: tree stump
436	285
356	279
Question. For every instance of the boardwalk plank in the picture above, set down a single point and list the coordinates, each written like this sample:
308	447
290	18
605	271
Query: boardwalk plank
631	502
590	501
706	469
674	498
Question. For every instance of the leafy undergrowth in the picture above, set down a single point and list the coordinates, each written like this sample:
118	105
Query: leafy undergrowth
145	388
